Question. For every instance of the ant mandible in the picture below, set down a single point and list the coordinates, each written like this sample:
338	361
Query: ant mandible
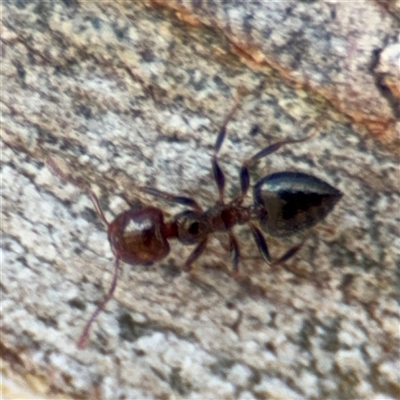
284	203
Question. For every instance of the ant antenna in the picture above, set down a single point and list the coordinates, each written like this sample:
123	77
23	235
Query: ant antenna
83	338
79	184
241	92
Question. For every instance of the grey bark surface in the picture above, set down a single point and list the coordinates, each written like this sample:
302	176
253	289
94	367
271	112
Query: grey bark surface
125	95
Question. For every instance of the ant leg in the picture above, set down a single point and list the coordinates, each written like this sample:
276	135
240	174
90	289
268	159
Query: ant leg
290	253
195	254
86	330
219	178
186	201
260	242
217	171
235	254
244	171
222	132
263	248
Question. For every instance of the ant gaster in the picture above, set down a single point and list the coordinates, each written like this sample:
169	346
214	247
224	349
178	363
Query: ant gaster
284	203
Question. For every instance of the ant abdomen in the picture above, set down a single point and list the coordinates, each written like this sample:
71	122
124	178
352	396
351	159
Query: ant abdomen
290	202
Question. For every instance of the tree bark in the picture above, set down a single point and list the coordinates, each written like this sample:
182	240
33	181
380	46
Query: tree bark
124	95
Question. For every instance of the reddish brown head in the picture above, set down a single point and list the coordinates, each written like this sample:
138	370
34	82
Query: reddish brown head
137	236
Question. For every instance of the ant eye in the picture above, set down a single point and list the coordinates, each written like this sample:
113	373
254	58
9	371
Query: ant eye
194	228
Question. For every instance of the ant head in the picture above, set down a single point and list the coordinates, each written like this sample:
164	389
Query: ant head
137	236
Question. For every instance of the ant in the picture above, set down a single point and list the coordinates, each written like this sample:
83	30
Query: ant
284	203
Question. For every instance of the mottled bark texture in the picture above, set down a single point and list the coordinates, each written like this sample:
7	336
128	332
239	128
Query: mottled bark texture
127	94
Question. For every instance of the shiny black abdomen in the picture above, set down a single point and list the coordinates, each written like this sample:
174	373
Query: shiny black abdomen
289	202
